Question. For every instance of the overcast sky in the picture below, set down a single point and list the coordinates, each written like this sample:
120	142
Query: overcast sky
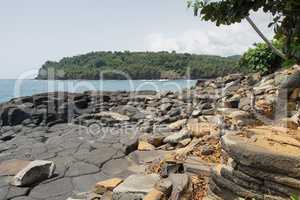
33	31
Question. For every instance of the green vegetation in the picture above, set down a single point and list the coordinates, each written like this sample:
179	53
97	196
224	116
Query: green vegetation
261	59
140	65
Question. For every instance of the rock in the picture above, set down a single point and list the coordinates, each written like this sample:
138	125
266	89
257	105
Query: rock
12	116
178	124
295	94
145	146
245	182
207	149
62	188
274	177
113	115
174	112
13	192
196	113
165	107
184	142
169	168
165	186
180	183
288	123
144	157
33	173
231	103
239	115
85	196
200	129
292	81
176	137
194	166
263	147
156	139
231	87
232	77
12	167
128	110
154	195
81	168
135	187
17	116
110	184
233	187
130	143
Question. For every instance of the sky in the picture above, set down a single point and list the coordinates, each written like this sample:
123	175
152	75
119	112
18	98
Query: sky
34	31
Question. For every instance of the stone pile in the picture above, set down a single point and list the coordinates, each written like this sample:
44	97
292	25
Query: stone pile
261	162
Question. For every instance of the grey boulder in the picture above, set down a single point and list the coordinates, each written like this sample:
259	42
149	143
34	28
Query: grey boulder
36	171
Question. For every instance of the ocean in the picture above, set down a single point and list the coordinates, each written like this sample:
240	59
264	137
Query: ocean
10	88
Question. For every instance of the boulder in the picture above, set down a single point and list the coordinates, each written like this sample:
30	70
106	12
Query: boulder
184	142
232	77
222	182
263	147
156	139
36	171
107	185
292	81
113	115
177	137
200	129
165	186
145	146
154	195
180	183
271	177
165	107
135	187
12	116
196	113
178	124
195	166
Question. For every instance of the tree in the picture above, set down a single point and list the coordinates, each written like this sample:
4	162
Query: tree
286	18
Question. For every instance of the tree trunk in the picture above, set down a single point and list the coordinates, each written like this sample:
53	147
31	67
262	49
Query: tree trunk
274	49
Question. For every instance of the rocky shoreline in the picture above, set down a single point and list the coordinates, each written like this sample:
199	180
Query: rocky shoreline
234	136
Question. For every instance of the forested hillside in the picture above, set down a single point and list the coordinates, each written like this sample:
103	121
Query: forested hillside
140	65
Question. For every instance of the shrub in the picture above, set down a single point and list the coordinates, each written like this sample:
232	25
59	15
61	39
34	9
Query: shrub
261	59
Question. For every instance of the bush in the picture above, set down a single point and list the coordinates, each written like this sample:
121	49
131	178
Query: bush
261	59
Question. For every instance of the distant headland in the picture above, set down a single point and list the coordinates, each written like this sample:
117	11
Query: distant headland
139	65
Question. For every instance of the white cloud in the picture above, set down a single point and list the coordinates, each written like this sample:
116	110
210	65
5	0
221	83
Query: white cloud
224	40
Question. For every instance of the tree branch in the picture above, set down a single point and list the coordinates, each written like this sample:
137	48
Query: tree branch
271	46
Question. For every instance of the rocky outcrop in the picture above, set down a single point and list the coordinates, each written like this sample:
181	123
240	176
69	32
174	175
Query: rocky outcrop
262	162
100	140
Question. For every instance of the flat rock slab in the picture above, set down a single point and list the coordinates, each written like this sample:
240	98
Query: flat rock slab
265	148
59	189
12	167
135	187
12	192
81	168
176	137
